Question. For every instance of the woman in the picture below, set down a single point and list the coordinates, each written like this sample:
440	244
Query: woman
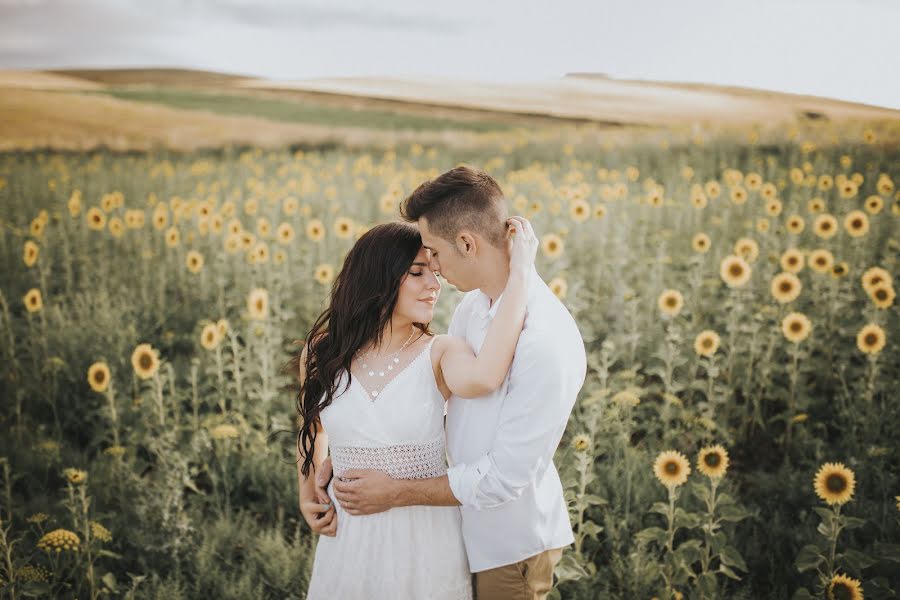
374	379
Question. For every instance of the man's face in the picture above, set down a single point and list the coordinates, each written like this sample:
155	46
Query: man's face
453	266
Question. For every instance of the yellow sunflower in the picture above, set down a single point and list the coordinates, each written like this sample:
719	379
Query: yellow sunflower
821	260
258	304
773	207
792	260
98	376
795	224
210	336
344	228
834	483
874	204
700	243
843	587
194	261
706	343
315	230
75	476
552	245
33	301
871	339
840	269
145	361
263	227
786	287
825	226
825	183
30	253
712	188
581	442
796	327
738	195
285	233
747	248
671	468
856	223
816	205
882	295
96	219
670	302
173	236
848	189
713	461
735	271
580	211
559	287
324	274
875	276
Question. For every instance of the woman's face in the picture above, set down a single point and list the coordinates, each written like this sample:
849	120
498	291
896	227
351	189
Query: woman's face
419	291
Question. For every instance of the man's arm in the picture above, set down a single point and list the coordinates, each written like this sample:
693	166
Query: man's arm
374	491
542	390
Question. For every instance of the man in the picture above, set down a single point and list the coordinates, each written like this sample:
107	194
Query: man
501	446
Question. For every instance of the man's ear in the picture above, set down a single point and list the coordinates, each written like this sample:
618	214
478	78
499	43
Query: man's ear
465	243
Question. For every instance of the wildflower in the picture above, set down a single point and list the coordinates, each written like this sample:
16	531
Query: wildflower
99	532
670	302
706	343
796	327
98	376
222	432
671	468
713	461
552	245
33	301
75	476
59	540
581	442
871	339
734	271
145	361
258	304
786	287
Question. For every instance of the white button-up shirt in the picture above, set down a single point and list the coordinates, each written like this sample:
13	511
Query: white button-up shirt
501	445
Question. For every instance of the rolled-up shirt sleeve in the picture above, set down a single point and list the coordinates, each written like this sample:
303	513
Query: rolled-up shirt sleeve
539	398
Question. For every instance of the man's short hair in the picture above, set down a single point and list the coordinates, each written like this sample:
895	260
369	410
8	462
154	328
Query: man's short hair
461	198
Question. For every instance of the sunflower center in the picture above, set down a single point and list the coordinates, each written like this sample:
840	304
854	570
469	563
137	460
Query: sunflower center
841	592
836	483
786	286
99	376
736	270
671	468
871	339
857	223
706	343
796	326
712	459
145	361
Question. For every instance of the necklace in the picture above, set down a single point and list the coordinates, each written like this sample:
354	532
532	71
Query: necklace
392	360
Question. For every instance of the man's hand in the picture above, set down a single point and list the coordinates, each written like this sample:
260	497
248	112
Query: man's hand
368	493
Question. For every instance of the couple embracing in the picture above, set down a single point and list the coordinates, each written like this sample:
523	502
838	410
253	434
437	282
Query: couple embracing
385	403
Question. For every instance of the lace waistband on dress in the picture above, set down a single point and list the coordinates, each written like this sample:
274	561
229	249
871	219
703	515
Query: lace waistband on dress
400	461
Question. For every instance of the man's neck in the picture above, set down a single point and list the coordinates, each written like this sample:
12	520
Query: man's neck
495	276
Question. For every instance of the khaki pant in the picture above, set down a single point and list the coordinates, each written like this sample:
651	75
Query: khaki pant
529	579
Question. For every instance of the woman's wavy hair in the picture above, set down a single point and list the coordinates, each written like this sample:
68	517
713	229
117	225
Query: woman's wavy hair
362	302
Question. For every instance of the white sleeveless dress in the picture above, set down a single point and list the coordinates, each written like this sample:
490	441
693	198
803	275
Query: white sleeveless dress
413	552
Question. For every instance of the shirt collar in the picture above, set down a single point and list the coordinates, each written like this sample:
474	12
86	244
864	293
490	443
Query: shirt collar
483	307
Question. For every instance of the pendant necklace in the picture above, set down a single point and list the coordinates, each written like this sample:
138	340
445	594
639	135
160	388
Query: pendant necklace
392	360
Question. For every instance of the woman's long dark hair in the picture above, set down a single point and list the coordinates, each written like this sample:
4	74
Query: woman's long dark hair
362	301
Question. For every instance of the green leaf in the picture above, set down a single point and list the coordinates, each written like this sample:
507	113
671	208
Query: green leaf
570	568
689	551
809	558
731	557
856	560
707	585
826	513
729	572
852	522
110	581
651	534
889	552
594	500
590	529
802	594
660	507
686	519
732	513
700	490
108	553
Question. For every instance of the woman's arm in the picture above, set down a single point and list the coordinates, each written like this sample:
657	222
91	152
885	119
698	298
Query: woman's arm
469	375
315	505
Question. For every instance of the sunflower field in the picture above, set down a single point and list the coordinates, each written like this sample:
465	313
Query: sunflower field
736	436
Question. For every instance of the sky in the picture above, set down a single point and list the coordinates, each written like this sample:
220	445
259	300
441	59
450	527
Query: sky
842	49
